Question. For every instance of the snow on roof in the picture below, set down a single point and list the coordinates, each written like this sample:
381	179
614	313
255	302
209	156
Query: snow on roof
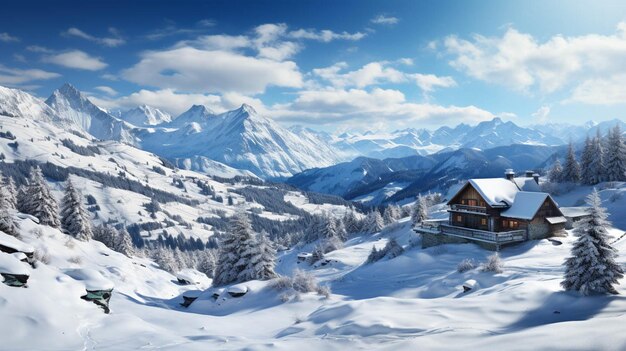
525	205
238	289
10	264
12	242
555	220
573	212
190	275
93	280
527	184
495	191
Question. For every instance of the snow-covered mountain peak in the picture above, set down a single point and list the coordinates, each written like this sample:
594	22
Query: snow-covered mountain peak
196	113
17	103
145	115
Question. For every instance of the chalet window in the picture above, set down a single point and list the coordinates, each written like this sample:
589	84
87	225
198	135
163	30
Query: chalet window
505	224
483	221
510	224
463	202
483	204
458	218
472	202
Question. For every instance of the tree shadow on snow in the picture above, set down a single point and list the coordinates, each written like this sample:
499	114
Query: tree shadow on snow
563	307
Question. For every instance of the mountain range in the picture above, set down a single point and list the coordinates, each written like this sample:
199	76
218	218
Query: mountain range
244	142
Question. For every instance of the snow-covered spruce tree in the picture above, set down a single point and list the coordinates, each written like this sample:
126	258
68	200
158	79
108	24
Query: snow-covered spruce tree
597	166
313	229
556	173
351	223
316	255
74	218
374	255
105	235
592	267
8	193
8	223
207	263
165	259
615	156
374	222
235	250
329	235
263	261
571	171
420	210
586	172
39	202
392	249
342	233
124	243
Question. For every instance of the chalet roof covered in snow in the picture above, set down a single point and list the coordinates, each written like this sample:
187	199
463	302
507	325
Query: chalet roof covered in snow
10	264
527	184
14	243
497	192
525	205
575	212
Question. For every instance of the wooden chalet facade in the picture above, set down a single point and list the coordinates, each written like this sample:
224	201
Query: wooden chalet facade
497	211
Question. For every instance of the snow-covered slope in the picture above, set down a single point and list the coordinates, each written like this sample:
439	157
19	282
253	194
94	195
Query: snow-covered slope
71	105
16	103
241	139
145	116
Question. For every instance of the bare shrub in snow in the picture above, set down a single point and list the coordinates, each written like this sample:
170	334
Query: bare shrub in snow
494	264
281	283
284	297
75	260
304	281
42	256
323	290
466	265
37	232
70	244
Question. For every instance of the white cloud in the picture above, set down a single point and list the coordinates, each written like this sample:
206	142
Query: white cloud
107	90
16	77
375	73
8	38
370	74
113	41
194	70
522	63
385	20
39	49
541	115
361	107
428	82
601	91
325	35
76	59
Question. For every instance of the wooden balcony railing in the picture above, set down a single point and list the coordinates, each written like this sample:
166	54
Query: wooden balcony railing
483	235
467	208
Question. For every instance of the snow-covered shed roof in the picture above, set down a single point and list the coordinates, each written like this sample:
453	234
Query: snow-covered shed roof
574	212
525	205
94	281
10	264
495	191
190	275
555	220
14	243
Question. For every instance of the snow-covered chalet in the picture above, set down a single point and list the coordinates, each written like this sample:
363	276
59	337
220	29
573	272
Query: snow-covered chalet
495	212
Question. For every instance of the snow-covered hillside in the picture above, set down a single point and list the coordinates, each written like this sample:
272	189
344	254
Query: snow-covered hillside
414	301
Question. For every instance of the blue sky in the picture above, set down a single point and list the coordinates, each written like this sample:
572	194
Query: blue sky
334	65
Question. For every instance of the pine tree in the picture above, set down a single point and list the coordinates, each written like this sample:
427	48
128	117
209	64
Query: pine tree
8	223
207	263
571	171
392	249
351	223
39	202
556	173
597	165
317	255
105	235
374	255
124	243
342	233
375	222
235	251
592	267
586	159
248	254
420	210
9	185
165	259
616	156
74	218
264	261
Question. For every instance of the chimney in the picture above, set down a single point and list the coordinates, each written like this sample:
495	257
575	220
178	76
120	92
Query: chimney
536	177
529	174
509	174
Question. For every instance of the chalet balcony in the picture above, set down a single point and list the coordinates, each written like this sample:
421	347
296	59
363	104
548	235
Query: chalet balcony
498	238
468	209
